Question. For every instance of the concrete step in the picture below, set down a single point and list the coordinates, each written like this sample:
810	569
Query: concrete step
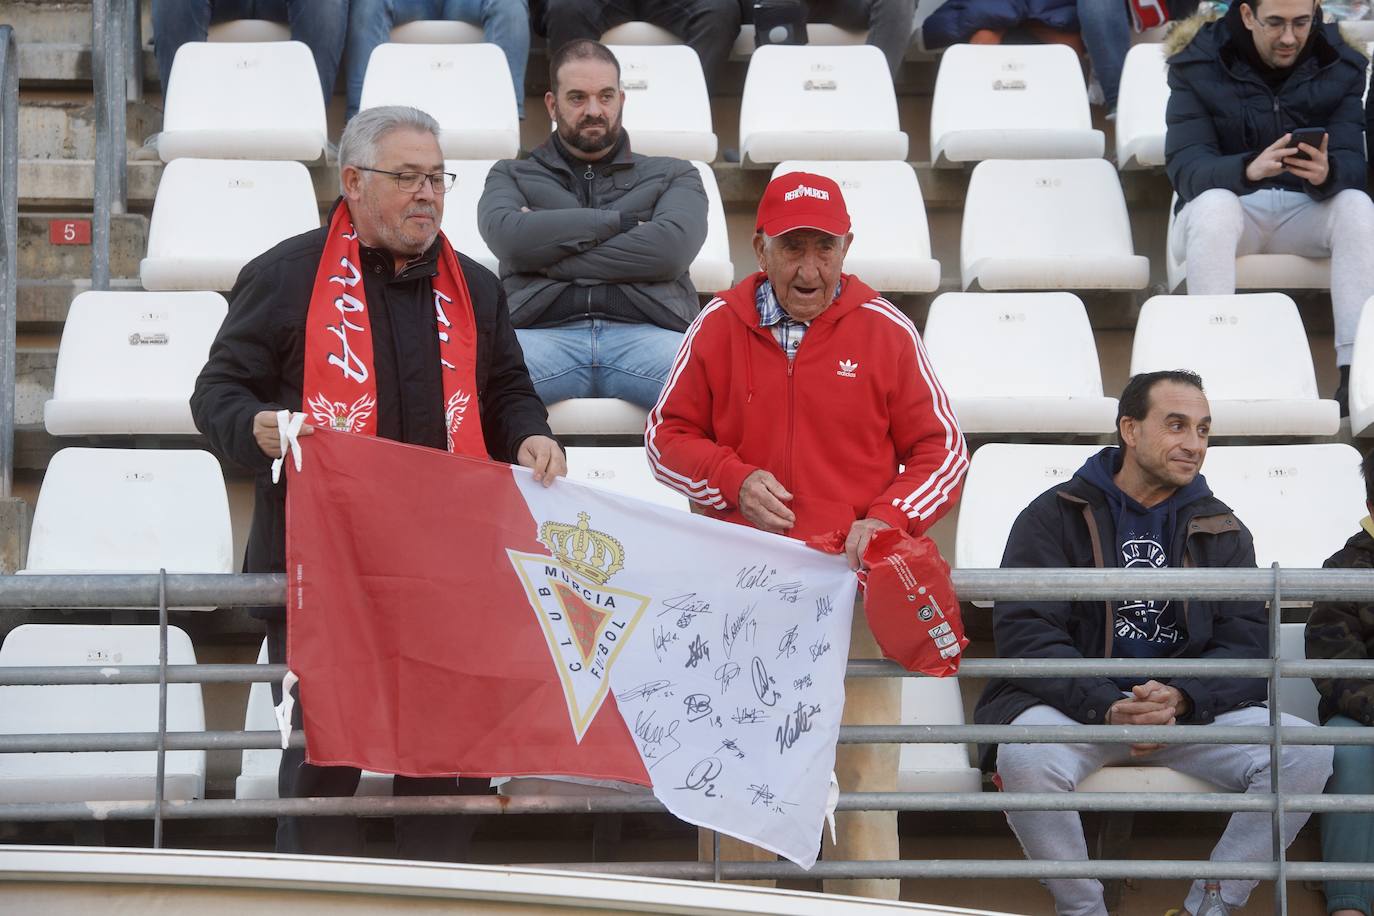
40	259
61	125
47	64
43	304
34	368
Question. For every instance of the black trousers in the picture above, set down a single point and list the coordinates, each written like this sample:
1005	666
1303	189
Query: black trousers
436	838
888	23
708	27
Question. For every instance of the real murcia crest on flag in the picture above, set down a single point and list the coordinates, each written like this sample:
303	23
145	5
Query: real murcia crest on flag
585	622
340	416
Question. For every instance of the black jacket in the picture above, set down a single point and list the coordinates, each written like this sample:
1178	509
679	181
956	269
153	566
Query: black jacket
257	363
1221	114
1345	629
1071	525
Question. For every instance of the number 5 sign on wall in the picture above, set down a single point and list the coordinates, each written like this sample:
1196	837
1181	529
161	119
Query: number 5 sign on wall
69	232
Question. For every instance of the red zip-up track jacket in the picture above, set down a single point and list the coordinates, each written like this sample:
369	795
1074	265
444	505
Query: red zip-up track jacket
859	400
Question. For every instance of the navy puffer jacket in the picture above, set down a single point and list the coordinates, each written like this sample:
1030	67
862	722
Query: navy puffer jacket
1221	114
956	20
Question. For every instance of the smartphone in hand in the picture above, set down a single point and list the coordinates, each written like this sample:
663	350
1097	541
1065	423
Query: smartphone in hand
1312	136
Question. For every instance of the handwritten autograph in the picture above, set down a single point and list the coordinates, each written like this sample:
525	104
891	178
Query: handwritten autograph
819	648
698	650
644	691
824	607
662	638
797	723
763	684
745	715
726	673
744	626
656	742
698	706
787	646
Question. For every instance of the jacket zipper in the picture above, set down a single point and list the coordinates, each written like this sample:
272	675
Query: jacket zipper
589	176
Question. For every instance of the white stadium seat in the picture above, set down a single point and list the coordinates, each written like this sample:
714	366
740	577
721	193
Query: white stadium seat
1018	363
818	102
623	470
241	30
1010	102
1140	108
1002	480
1252	353
258	766
817	33
711	269
98	708
1362	375
129	360
212	216
243	101
934	767
1048	224
460	210
667	111
891	249
131	510
1256	271
437	32
439	79
1291	497
596	417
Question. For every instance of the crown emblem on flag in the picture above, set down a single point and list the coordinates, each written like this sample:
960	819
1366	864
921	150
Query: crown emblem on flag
593	555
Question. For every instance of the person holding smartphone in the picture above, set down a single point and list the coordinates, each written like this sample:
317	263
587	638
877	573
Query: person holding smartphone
1265	149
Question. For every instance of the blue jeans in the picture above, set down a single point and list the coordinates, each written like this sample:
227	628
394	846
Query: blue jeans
1349	837
1106	29
319	24
595	358
505	23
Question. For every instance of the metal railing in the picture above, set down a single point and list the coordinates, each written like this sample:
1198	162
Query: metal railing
166	591
114	25
9	248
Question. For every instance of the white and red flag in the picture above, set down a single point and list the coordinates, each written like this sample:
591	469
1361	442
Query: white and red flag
449	615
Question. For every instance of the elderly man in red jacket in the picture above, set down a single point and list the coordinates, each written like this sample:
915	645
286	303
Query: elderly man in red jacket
802	402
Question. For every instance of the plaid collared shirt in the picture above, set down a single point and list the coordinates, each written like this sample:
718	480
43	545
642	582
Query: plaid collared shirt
787	331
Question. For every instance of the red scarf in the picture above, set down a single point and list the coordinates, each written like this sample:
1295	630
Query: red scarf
340	390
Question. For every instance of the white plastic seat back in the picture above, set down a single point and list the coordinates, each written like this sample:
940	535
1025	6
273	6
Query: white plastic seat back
934	767
1252	353
241	30
711	269
891	248
460	210
1018	363
1298	696
1010	102
212	216
1362	375
597	417
1291	497
623	470
667	111
1255	271
439	79
437	32
129	360
1048	224
819	102
258	766
75	709
638	32
257	100
1003	478
1143	97
131	510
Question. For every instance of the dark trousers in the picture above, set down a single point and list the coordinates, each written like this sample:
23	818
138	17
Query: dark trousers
888	23
436	838
708	27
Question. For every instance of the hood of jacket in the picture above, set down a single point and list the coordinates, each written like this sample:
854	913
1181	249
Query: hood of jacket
1100	470
1194	36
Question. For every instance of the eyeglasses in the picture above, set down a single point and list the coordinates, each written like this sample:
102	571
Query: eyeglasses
1277	25
410	182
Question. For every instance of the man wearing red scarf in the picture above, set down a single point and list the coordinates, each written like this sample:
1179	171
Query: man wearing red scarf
372	325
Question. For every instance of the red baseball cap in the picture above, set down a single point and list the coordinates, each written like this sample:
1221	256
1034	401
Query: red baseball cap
801	200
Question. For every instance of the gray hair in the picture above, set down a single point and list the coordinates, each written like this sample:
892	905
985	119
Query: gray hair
769	239
364	133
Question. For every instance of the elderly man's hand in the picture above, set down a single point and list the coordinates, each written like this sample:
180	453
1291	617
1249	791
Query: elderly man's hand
762	502
268	436
859	534
543	456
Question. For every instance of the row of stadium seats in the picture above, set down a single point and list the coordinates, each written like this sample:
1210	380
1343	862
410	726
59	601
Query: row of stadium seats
1053	224
260	101
139	510
1012	363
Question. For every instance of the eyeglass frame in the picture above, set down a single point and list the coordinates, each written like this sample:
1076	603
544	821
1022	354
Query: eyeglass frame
1283	25
450	179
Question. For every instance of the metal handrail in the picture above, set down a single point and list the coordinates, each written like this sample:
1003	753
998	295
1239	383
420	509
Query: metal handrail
9	249
1272	585
111	34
